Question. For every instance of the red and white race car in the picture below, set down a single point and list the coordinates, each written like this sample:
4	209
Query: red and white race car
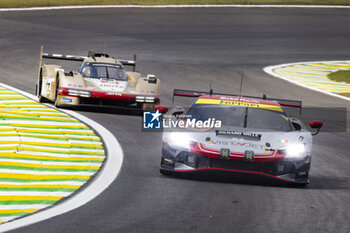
254	136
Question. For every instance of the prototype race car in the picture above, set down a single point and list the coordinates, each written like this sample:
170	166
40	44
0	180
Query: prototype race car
101	80
255	136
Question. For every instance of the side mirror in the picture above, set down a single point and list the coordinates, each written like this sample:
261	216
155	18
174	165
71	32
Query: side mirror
161	108
316	125
297	124
151	78
177	111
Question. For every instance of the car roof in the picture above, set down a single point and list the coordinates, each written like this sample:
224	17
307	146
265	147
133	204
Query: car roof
108	60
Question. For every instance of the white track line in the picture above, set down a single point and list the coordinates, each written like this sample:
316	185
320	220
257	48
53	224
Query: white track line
103	179
270	71
171	6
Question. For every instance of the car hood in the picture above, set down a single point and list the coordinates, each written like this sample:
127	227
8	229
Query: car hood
94	84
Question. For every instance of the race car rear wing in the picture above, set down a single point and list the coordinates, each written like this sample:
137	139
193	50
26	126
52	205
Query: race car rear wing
282	102
63	57
82	58
129	62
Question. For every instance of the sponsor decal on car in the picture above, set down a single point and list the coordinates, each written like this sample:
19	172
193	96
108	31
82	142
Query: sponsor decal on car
147	91
67	100
111	85
75	85
239	104
109	81
238	134
114	93
239	99
236	143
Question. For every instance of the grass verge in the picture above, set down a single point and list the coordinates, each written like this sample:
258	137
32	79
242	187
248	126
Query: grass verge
340	76
41	3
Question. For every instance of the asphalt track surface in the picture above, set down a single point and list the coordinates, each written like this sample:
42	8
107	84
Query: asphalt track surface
189	48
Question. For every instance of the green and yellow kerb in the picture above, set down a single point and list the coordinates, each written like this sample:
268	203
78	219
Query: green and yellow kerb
317	75
45	155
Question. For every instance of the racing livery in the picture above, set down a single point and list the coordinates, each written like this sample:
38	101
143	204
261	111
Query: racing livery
255	136
101	80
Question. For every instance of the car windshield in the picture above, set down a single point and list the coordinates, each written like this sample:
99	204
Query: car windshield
243	117
104	71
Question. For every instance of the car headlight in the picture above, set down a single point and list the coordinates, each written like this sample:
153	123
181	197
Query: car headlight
76	92
148	99
179	139
296	150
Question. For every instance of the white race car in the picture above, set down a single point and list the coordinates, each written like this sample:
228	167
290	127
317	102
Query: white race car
101	80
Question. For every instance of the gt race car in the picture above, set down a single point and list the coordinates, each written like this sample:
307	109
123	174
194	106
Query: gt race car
255	136
101	80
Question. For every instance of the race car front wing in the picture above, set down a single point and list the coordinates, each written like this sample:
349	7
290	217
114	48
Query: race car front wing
295	171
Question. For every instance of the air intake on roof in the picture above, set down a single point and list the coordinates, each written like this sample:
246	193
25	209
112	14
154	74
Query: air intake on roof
93	54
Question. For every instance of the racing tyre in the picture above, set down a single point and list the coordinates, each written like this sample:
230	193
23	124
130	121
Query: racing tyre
298	185
147	107
166	172
56	92
38	89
